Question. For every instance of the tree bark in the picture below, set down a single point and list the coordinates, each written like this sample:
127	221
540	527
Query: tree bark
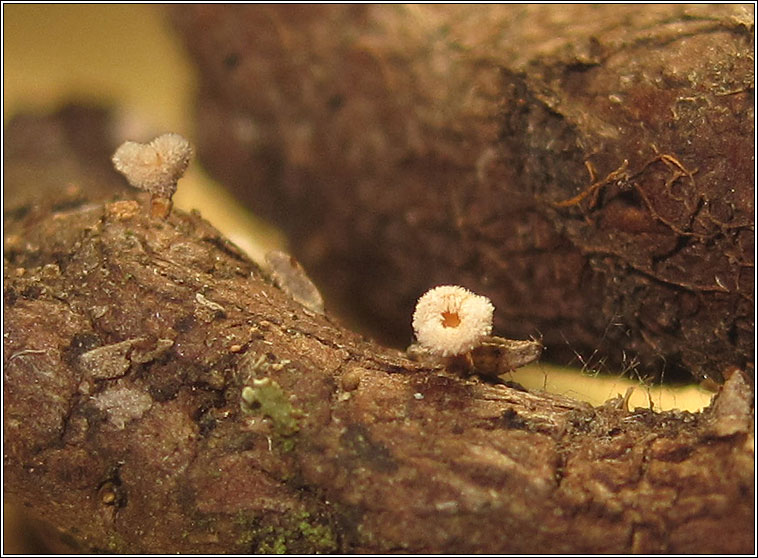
129	342
587	167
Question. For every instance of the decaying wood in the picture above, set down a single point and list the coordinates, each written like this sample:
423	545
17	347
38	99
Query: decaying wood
129	342
587	167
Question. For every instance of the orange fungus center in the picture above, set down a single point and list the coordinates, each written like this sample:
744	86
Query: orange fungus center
451	319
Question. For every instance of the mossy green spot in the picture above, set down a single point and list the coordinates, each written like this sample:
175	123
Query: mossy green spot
267	398
297	533
320	537
272	542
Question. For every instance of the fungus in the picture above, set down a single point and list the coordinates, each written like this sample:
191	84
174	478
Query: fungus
451	320
155	167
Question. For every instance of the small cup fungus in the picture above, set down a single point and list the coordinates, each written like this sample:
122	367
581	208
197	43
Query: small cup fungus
451	320
155	167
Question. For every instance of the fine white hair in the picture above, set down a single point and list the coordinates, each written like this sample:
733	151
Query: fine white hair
450	320
155	166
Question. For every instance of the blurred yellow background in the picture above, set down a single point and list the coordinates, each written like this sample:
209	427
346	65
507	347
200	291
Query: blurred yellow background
122	53
127	56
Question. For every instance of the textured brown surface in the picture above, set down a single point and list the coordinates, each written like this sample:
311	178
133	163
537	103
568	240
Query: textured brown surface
407	146
128	342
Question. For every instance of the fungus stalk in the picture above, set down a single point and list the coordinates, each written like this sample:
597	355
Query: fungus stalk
155	167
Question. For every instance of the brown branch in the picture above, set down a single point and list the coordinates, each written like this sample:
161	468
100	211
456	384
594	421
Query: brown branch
423	149
129	343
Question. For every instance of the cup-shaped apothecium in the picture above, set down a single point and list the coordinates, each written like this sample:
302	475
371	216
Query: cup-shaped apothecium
451	320
155	167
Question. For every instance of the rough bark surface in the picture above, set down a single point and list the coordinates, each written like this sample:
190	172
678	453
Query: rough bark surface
162	395
589	168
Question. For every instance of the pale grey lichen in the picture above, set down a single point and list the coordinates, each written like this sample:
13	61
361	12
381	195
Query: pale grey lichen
107	362
123	404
